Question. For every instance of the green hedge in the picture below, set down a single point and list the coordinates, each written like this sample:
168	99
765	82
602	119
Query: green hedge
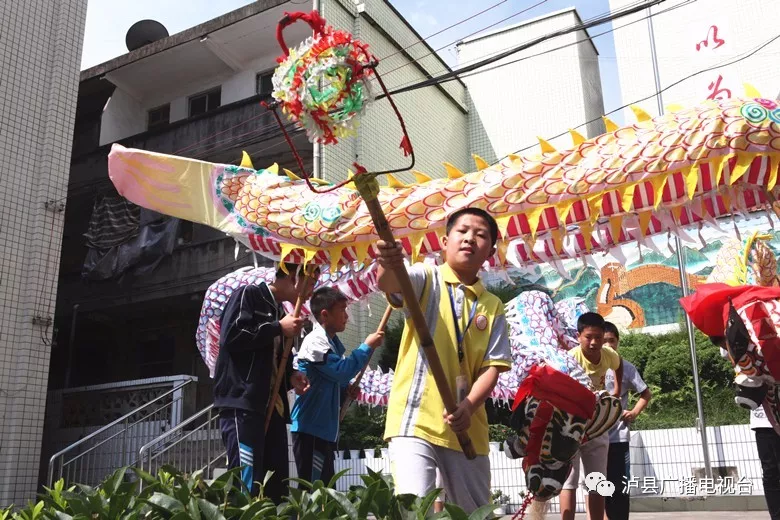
665	364
175	496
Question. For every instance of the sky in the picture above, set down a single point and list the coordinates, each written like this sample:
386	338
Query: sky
109	20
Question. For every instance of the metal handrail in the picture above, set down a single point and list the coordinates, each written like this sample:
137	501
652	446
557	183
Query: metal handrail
130	425
112	424
146	454
170	432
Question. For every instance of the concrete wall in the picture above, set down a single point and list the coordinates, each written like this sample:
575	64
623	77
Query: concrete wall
436	118
592	97
516	101
676	35
40	58
124	115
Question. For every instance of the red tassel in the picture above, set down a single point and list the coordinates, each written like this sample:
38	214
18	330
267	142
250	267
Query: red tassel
520	515
406	146
358	169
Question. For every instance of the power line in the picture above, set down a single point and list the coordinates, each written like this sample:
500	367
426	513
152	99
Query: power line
638	2
443	30
687	2
417	60
487	61
589	37
654	94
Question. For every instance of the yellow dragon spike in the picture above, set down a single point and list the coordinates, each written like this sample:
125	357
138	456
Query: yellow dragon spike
609	124
576	137
751	91
641	115
420	177
480	163
350	185
452	171
293	177
545	146
394	183
674	108
246	161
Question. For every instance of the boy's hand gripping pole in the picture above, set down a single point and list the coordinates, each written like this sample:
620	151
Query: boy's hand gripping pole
356	383
280	371
368	187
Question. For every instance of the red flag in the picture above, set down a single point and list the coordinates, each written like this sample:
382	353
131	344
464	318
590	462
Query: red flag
708	306
547	384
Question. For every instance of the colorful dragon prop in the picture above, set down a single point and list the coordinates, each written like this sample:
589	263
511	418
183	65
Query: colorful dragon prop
682	168
355	284
650	177
741	303
541	333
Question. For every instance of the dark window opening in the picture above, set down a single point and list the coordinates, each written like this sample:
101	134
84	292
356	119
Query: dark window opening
159	117
265	85
205	102
156	356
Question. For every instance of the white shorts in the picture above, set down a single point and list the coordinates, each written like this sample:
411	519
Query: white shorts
415	462
594	455
440	485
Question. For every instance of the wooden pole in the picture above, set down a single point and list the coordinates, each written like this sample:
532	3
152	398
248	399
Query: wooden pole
356	384
368	187
285	354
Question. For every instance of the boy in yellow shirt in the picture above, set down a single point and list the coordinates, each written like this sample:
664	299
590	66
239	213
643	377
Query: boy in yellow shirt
596	359
470	333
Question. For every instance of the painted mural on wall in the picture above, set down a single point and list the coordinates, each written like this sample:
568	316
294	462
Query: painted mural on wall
637	289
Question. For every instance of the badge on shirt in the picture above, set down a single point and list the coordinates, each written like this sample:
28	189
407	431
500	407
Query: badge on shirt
481	322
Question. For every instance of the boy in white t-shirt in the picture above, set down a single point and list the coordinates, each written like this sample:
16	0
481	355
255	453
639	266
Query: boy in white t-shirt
596	359
619	458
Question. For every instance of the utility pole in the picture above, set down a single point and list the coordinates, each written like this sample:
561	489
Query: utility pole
701	426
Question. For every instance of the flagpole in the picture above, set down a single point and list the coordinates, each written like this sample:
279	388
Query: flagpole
701	426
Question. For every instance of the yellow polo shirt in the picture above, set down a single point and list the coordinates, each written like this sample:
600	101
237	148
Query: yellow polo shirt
597	372
415	408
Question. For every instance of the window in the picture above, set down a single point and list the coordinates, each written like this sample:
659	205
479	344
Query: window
205	102
265	84
156	356
159	117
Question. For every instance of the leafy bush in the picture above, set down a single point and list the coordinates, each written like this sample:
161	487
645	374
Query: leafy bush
363	429
499	432
176	496
665	364
388	353
669	364
637	348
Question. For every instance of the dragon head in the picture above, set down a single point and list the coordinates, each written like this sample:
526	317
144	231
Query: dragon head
553	415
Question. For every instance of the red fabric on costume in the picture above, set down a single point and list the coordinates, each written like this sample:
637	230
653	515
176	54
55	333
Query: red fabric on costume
536	434
708	307
547	384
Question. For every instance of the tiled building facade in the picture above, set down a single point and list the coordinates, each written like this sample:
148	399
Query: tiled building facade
705	50
40	52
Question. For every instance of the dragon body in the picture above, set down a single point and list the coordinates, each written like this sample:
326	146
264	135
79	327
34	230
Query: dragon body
650	177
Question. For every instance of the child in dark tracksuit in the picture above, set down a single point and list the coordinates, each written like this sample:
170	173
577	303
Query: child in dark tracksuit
253	330
315	414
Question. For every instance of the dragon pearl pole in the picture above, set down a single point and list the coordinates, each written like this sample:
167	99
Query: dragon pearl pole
269	412
368	187
356	383
702	427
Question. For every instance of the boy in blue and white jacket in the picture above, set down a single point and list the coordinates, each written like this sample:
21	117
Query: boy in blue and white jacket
315	414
